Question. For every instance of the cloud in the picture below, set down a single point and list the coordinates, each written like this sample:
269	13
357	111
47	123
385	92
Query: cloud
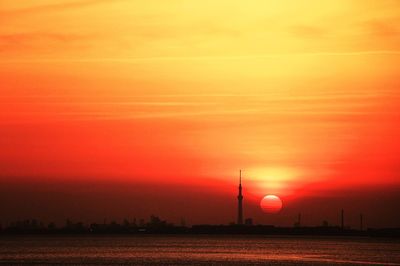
52	7
382	28
128	60
21	37
20	41
306	31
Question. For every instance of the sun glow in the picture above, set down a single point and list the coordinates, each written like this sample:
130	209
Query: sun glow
273	179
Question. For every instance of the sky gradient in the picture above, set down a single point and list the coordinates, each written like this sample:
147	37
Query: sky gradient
100	97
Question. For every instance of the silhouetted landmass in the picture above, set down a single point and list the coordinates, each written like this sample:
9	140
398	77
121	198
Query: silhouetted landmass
155	225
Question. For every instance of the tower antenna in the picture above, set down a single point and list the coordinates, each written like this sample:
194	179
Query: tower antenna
240	200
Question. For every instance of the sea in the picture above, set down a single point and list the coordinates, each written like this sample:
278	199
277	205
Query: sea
197	250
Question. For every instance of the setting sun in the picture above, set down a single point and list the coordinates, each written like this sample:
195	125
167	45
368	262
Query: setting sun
271	204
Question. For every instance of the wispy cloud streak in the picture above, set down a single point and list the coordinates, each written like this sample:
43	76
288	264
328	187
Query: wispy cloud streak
52	7
204	58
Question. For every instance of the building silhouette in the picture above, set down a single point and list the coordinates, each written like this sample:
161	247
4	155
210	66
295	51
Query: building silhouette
248	221
240	201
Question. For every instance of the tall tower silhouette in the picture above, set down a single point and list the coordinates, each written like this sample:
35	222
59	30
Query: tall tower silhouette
240	199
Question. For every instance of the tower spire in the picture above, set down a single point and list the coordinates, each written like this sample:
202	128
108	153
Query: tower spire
240	200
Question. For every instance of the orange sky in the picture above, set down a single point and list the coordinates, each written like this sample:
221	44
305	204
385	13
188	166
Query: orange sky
302	95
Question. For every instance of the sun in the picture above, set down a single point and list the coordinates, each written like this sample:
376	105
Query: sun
271	204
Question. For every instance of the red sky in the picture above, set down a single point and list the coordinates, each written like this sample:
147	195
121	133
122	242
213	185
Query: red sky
100	98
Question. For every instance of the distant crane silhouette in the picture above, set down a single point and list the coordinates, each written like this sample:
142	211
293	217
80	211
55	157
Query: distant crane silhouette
342	218
361	222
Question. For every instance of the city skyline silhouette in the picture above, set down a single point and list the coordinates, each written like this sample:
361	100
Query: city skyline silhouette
156	225
287	217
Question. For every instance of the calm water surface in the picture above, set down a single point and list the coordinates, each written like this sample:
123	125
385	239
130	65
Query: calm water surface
196	250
